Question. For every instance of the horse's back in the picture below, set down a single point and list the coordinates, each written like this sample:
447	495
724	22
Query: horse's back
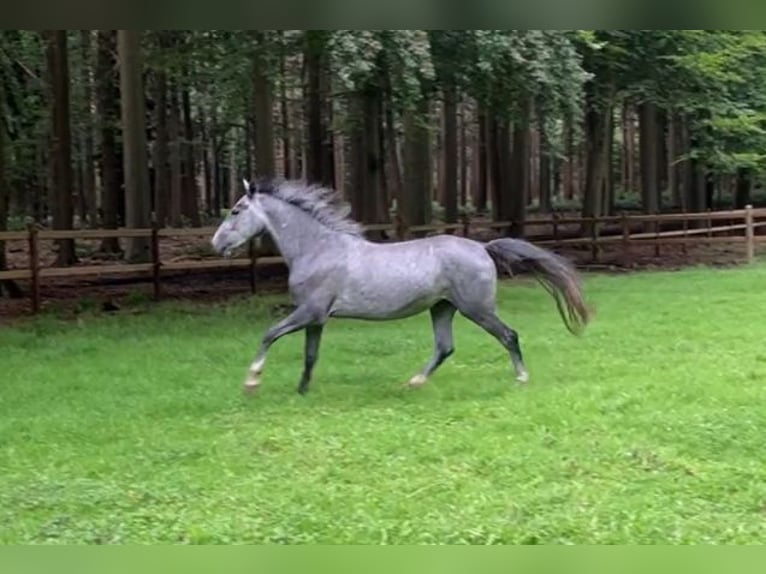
388	280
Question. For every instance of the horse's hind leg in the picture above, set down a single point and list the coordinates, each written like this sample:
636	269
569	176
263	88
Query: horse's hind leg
490	322
441	318
311	354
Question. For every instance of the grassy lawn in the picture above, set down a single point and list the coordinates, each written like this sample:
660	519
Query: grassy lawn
648	429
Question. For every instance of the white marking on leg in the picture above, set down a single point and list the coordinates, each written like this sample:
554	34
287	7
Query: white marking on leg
418	380
523	377
253	380
256	368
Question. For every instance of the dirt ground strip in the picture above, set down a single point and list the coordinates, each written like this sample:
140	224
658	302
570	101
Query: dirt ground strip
110	293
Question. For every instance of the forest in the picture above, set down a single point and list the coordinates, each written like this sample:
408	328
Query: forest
129	128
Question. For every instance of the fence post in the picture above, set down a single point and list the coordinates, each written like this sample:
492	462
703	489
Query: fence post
466	224
625	234
34	267
749	234
156	260
555	230
594	240
657	231
400	227
253	262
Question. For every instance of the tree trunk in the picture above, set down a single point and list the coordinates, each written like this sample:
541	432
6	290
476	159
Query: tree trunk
284	109
500	153
249	143
483	168
519	178
672	171
205	156
107	108
698	200
463	163
235	185
396	183
685	167
383	198
569	167
629	139
8	286
137	194
596	127
328	143
88	163
176	181
648	155
743	186
315	129
161	151
609	195
218	180
367	166
449	149
61	141
662	155
417	166
190	203
264	128
546	205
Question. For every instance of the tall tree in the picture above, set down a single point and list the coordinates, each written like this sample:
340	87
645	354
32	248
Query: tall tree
3	186
190	203
263	107
137	192
446	47
174	157
546	171
88	164
480	180
161	159
416	197
60	140
107	108
648	141
315	42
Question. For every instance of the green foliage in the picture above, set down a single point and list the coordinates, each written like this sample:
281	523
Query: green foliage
359	58
25	116
131	428
714	77
512	66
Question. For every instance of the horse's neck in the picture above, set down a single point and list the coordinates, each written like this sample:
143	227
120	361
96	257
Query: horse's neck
296	233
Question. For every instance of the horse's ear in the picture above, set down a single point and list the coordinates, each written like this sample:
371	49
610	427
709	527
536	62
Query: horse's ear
249	188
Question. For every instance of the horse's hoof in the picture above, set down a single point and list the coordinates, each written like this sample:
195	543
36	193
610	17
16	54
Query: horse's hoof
417	381
251	386
523	377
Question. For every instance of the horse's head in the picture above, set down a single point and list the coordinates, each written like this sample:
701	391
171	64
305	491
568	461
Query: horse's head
245	220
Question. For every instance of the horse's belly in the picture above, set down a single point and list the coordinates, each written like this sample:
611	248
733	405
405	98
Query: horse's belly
378	296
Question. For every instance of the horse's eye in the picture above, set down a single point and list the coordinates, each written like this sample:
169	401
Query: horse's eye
235	212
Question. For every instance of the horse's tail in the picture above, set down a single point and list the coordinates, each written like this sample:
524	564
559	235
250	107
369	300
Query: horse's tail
556	274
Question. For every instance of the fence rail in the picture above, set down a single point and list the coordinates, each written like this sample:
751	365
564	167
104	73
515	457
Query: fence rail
747	221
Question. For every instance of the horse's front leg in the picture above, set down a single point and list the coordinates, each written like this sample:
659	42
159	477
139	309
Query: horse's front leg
301	318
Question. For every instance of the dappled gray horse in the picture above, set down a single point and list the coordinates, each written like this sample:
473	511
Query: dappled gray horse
335	272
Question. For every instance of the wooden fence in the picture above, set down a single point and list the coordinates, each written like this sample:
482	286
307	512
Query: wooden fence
746	221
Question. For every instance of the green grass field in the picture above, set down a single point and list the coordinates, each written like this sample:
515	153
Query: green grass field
648	429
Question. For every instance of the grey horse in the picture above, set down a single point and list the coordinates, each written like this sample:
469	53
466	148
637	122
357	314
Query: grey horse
334	271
